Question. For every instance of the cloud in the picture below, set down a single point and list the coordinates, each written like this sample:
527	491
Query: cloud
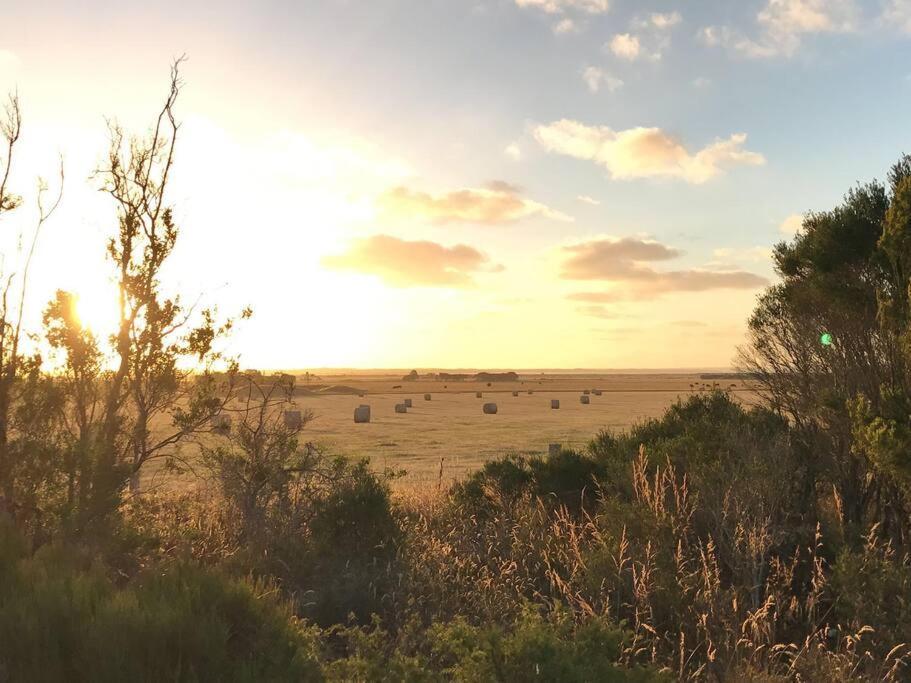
513	151
897	14
561	6
791	225
782	23
809	16
596	77
701	82
498	202
404	263
625	264
664	21
626	46
599	312
644	152
584	198
565	25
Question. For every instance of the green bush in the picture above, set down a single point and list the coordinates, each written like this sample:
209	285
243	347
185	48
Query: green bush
63	619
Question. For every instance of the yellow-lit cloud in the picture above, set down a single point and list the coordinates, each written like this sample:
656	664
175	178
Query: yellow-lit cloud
791	225
644	152
624	264
498	202
782	23
404	263
560	6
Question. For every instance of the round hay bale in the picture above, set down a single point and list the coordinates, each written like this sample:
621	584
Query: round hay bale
426	397
586	392
401	408
362	414
490	408
478	395
294	419
554	449
555	404
515	393
596	392
407	402
585	399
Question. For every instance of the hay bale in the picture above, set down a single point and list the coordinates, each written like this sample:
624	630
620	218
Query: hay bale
490	408
554	404
554	449
596	392
362	414
530	392
515	393
401	408
426	397
584	399
407	402
294	419
478	395
586	392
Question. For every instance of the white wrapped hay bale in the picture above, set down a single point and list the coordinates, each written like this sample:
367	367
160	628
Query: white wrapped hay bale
401	408
554	449
362	414
490	408
426	397
407	402
584	399
294	419
554	404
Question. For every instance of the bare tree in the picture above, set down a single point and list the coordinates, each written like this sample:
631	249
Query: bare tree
11	314
163	358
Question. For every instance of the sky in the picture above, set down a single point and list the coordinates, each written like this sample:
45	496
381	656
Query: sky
461	183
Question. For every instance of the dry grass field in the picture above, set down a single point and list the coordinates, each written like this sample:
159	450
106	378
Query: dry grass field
452	428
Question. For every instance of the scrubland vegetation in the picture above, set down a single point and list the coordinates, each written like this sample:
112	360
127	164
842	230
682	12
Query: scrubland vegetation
714	543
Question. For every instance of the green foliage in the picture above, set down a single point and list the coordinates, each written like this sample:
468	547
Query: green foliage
567	478
62	619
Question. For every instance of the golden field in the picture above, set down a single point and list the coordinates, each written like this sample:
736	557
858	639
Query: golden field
452	428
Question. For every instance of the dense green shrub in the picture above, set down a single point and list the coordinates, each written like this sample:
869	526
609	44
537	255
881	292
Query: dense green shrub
63	619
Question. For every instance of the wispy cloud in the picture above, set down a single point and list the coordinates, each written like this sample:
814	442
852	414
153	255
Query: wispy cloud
781	25
561	6
644	152
585	199
626	264
597	78
626	46
498	202
791	225
404	263
897	14
513	151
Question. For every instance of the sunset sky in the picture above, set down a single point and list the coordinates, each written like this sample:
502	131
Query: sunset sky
464	183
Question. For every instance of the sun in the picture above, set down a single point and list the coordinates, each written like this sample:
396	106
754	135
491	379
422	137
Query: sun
96	307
